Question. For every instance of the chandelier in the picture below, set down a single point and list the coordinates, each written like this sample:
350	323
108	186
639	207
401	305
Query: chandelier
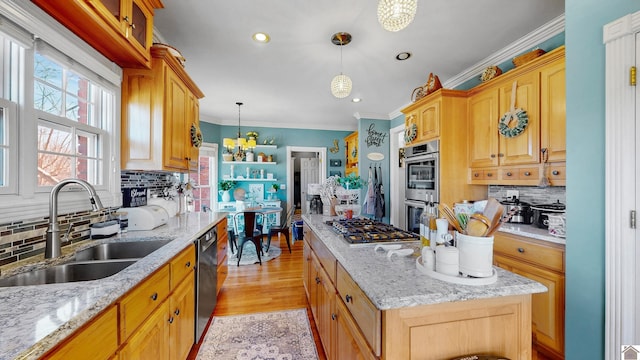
395	15
240	144
341	84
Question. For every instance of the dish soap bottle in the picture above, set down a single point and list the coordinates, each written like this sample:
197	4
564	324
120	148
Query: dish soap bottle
433	229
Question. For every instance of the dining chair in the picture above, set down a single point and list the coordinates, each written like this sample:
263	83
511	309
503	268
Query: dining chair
283	228
246	229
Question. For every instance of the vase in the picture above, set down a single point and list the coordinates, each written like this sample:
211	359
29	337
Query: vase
249	156
182	204
227	157
225	194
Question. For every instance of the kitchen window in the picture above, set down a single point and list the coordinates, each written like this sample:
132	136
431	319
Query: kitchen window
59	101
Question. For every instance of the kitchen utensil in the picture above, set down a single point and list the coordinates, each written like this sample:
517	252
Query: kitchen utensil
503	220
478	225
493	210
449	215
544	181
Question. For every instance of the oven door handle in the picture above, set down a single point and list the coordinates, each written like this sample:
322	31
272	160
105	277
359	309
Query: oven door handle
415	203
420	158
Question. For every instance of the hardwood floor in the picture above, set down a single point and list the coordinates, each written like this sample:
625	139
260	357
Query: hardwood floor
276	285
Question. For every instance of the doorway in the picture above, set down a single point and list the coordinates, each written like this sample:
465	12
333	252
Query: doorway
305	165
397	177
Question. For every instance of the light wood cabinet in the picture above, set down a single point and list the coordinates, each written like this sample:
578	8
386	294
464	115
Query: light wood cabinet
121	30
497	159
543	262
182	318
324	307
150	341
351	154
222	244
96	340
442	115
350	343
159	107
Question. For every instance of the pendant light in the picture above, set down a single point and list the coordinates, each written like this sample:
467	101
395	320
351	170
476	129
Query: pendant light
395	15
341	84
240	144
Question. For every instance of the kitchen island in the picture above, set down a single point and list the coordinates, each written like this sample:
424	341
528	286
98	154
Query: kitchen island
405	314
37	318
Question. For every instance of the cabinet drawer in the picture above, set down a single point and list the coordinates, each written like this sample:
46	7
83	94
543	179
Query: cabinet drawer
182	265
557	172
324	255
136	306
522	250
484	174
97	340
532	173
366	315
223	243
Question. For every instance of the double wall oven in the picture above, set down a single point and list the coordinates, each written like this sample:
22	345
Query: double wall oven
422	176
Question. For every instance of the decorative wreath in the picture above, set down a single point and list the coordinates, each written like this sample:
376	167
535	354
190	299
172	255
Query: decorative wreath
196	135
519	115
410	133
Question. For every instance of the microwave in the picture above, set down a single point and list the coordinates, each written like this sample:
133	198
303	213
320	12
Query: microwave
422	149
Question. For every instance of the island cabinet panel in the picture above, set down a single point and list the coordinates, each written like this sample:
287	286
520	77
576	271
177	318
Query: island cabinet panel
497	326
96	340
149	343
325	257
350	343
366	315
543	262
325	308
307	268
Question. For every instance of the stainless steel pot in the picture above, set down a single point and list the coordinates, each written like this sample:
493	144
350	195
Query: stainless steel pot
540	211
523	213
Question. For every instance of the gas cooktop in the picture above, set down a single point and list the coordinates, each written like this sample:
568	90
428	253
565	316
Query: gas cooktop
364	231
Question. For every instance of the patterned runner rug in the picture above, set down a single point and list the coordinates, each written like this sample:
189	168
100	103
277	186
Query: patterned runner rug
249	256
278	335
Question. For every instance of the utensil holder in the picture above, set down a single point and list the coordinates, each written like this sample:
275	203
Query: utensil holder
476	255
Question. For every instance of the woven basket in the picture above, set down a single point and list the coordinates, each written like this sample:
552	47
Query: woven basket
525	58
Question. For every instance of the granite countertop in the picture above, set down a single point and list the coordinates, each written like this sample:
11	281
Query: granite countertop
38	317
396	282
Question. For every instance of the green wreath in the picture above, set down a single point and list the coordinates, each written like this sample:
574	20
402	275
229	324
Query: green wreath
410	133
196	136
510	132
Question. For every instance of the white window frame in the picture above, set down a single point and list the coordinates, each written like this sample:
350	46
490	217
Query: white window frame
27	201
10	115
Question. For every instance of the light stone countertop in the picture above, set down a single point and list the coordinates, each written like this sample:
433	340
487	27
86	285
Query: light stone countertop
531	231
35	318
396	282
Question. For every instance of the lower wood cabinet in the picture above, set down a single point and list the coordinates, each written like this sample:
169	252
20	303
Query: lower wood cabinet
222	244
543	262
182	317
349	342
150	341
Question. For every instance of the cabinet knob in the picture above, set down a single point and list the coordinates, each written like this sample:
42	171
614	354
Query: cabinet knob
521	250
177	312
509	173
489	174
171	320
493	156
555	172
526	173
154	297
476	175
500	155
348	298
188	264
334	316
317	280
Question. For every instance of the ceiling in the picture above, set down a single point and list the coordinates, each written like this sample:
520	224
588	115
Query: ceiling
285	83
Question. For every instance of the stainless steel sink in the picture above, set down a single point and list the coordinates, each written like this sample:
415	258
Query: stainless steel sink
120	250
71	272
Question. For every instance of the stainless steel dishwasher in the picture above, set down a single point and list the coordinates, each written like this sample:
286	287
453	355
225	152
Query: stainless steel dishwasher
206	278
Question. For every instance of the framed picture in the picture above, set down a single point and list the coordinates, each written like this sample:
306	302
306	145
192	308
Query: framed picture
335	162
335	173
256	191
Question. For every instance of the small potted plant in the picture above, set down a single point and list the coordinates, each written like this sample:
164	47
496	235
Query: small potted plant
273	190
351	182
225	186
252	135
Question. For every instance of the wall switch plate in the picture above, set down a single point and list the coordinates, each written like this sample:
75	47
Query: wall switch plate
513	193
283	186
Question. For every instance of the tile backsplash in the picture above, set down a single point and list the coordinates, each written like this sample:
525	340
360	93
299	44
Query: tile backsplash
531	194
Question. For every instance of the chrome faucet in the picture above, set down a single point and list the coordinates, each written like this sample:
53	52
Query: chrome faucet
53	248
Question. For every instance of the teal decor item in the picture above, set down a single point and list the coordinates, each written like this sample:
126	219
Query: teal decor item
522	122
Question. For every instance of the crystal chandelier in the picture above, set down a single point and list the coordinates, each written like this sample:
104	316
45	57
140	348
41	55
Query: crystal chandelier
395	15
341	84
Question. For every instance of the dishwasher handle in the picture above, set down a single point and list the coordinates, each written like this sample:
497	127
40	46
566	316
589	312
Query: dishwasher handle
208	239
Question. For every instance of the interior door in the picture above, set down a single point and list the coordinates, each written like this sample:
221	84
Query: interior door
309	174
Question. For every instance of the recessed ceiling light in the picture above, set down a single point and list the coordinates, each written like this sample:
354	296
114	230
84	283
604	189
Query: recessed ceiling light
356	100
261	37
403	56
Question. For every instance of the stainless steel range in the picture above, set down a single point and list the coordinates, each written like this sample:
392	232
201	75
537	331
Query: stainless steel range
365	231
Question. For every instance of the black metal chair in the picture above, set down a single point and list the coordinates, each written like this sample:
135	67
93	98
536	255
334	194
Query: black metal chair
283	228
252	232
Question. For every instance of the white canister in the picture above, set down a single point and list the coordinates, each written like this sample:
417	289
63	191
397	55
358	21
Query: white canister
465	207
428	258
447	260
476	255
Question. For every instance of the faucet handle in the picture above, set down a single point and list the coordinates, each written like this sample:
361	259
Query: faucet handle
66	235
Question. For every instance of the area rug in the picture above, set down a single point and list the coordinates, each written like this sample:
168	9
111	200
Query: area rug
249	256
278	335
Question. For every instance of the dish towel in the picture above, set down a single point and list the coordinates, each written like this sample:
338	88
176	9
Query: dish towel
370	198
379	196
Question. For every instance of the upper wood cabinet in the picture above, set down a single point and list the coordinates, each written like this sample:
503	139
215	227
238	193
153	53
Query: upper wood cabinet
424	120
121	30
540	91
159	107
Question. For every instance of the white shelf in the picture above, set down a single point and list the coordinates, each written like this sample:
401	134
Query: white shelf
258	146
249	162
